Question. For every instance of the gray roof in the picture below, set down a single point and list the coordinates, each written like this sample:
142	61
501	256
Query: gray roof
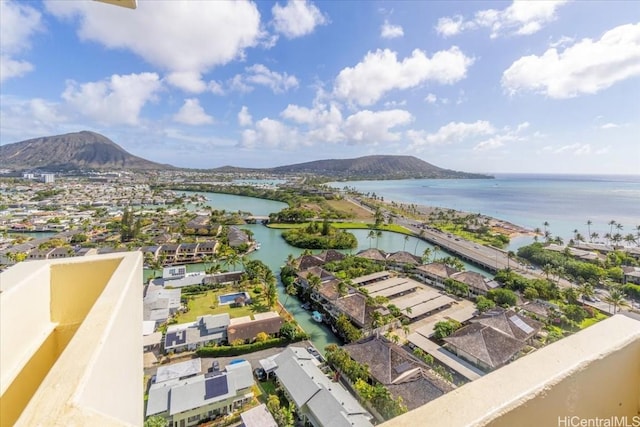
214	321
327	401
258	417
294	378
331	413
205	389
178	370
240	374
158	400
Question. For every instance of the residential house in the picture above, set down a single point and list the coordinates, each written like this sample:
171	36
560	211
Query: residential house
237	237
520	327
484	346
179	371
247	329
478	284
631	275
209	329
400	372
402	259
258	416
434	274
319	400
191	401
373	254
160	303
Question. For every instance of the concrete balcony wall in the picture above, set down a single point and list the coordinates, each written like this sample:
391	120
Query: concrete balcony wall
593	374
71	341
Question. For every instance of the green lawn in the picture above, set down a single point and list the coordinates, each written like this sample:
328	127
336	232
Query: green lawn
588	322
347	225
268	388
207	303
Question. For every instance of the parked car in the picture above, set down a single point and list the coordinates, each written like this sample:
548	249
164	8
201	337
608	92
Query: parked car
260	374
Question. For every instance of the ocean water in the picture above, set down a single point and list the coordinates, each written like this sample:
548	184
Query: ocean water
566	202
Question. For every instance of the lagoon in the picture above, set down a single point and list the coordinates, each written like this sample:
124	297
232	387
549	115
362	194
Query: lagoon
274	251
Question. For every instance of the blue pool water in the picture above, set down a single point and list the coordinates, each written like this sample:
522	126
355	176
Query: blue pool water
230	298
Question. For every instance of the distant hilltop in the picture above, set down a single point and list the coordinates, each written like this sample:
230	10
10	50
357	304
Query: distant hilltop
375	167
91	151
78	150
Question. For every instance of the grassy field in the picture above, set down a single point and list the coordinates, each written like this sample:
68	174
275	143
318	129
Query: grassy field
347	225
207	303
358	212
588	322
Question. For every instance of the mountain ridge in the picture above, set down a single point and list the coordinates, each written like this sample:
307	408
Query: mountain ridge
91	150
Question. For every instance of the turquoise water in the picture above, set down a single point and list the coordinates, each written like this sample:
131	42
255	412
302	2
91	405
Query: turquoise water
274	251
232	203
566	202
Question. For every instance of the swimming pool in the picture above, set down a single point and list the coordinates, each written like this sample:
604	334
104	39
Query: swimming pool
230	298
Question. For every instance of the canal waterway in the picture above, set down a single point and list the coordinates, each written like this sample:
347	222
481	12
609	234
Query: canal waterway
274	251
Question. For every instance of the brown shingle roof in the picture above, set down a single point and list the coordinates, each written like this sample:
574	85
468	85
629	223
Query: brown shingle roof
489	345
400	372
372	254
509	322
246	331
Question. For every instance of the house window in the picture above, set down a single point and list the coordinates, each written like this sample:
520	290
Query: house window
194	418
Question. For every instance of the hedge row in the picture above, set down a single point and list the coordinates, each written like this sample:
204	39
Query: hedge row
238	350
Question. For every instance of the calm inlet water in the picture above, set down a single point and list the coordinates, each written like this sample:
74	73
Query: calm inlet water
274	251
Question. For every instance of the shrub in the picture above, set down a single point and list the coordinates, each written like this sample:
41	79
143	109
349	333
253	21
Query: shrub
240	349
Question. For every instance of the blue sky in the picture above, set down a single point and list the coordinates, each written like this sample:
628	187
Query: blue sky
535	86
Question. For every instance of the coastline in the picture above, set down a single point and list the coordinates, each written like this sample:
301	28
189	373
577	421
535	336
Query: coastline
422	212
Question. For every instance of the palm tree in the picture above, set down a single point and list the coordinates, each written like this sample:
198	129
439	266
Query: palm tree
630	238
425	255
546	224
616	299
611	224
314	282
589	227
435	252
291	290
593	236
406	239
378	236
547	269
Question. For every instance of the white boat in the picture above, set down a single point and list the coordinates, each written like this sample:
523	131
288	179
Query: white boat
317	316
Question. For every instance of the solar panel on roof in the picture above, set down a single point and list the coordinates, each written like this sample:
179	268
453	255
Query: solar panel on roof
215	386
520	324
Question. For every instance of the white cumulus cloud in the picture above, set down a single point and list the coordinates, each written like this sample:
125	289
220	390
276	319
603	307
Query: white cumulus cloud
450	133
389	31
375	126
380	72
185	38
277	82
297	18
586	67
244	118
192	113
270	133
499	139
117	100
609	126
519	18
18	23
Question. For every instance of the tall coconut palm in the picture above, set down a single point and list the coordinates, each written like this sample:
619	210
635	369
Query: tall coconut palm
593	236
589	222
616	299
404	244
612	223
378	236
425	255
546	225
